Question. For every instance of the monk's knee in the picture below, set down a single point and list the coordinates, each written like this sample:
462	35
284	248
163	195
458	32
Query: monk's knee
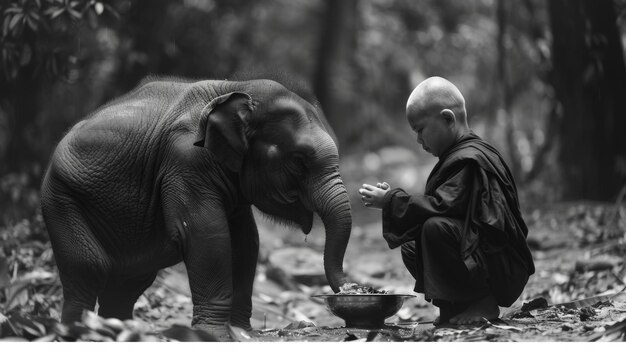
409	256
433	227
440	231
408	251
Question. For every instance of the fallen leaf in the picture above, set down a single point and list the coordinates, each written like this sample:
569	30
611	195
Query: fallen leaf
300	325
128	336
613	332
238	333
590	301
16	295
38	274
114	324
352	337
537	303
46	338
184	333
503	325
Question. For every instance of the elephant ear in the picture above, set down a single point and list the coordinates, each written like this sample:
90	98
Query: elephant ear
222	128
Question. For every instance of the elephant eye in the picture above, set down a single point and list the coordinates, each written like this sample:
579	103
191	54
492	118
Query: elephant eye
296	164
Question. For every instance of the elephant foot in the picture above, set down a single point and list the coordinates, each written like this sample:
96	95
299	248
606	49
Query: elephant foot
219	332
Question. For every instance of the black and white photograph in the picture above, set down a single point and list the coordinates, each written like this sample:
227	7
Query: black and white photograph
312	171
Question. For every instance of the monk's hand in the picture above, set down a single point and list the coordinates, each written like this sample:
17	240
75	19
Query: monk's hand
373	196
383	185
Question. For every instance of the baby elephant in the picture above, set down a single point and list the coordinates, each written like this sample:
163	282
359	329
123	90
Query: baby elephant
168	173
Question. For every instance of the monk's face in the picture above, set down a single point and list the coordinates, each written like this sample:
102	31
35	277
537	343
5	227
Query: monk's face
434	132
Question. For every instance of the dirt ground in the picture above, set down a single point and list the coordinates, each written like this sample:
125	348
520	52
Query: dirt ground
579	304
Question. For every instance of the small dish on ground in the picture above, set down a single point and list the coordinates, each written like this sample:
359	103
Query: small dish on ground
364	311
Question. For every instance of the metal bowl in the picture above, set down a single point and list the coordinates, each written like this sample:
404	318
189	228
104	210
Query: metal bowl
366	311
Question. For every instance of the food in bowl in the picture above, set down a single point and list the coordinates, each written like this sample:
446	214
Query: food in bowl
363	307
354	288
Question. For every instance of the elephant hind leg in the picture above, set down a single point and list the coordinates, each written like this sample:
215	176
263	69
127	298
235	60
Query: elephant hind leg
82	279
75	303
82	263
119	296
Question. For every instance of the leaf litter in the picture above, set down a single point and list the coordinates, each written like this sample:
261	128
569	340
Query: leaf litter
577	293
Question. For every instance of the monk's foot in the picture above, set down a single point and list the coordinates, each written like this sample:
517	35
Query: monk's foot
479	310
448	310
445	312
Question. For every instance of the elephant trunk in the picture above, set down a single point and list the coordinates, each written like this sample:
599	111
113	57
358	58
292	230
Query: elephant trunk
330	201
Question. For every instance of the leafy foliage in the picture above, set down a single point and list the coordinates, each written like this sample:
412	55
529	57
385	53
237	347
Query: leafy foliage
18	198
34	33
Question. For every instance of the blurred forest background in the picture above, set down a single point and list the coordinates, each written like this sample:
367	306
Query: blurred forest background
544	80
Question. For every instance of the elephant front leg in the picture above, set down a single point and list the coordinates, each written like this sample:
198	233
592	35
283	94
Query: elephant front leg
208	260
245	250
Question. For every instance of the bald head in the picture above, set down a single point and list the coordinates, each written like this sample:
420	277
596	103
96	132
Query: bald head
434	95
436	113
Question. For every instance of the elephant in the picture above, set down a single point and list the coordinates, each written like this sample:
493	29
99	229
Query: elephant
168	173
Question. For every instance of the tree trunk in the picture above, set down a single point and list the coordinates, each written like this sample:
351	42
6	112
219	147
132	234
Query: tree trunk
506	95
334	70
20	107
144	21
590	84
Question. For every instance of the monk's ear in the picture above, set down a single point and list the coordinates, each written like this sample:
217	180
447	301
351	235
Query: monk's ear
222	128
448	116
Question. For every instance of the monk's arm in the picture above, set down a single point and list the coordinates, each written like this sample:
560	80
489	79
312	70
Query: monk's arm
403	212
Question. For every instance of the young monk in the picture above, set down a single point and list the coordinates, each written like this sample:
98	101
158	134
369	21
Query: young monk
463	239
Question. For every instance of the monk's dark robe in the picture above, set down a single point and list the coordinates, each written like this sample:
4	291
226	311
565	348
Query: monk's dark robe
465	236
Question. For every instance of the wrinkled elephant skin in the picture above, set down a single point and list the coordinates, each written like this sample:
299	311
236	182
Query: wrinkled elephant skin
168	173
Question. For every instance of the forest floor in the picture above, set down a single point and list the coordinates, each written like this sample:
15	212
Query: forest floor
575	294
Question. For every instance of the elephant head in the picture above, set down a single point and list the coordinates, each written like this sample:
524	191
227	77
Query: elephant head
285	159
